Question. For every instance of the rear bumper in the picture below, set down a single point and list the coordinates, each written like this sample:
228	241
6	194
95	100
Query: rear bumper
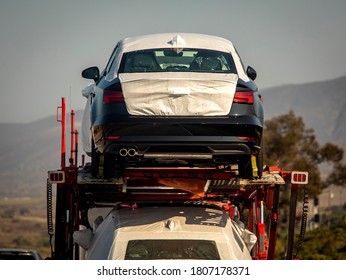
209	140
215	151
177	149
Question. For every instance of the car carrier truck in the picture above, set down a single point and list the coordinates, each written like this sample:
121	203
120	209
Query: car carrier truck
166	213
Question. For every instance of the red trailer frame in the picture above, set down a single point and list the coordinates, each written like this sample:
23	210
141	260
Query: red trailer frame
77	192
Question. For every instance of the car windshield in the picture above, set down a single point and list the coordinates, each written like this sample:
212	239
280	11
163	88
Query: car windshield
177	60
155	249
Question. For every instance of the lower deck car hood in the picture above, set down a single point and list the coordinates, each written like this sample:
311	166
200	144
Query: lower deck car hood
178	94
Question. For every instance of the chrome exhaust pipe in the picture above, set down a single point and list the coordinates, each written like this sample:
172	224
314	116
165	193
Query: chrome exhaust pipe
131	152
123	152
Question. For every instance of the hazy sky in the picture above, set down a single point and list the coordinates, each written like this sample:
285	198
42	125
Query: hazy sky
44	45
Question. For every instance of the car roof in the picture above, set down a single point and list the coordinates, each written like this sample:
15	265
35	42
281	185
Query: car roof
175	41
17	253
187	223
179	40
198	217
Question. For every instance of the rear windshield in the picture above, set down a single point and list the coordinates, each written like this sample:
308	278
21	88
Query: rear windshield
160	249
172	60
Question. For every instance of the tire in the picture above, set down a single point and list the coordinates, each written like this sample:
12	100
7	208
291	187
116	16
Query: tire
95	160
259	163
108	166
101	164
245	168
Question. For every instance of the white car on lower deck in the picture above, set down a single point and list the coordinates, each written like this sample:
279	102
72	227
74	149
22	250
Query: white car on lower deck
179	232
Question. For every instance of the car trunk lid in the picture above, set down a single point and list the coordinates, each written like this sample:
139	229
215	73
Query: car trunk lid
178	94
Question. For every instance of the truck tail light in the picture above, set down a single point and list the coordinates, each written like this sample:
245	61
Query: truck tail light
56	177
245	97
298	177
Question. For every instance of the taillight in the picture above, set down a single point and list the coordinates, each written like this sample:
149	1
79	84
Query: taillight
246	138
243	97
112	137
113	96
298	177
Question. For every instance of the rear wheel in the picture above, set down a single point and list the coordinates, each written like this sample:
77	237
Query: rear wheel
103	165
95	160
245	168
108	166
259	162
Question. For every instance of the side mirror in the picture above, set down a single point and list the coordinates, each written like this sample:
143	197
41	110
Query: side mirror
91	73
252	74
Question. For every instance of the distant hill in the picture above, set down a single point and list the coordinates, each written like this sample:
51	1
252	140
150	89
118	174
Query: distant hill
322	105
28	151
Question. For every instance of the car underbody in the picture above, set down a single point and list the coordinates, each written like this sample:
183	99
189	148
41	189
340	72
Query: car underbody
172	144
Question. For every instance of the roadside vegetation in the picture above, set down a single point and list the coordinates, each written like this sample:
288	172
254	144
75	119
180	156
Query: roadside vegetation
326	242
24	224
291	146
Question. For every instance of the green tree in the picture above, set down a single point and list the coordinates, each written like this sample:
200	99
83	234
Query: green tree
291	146
325	243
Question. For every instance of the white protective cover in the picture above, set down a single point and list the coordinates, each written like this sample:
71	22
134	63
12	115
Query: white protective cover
176	41
87	92
111	237
177	99
178	94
